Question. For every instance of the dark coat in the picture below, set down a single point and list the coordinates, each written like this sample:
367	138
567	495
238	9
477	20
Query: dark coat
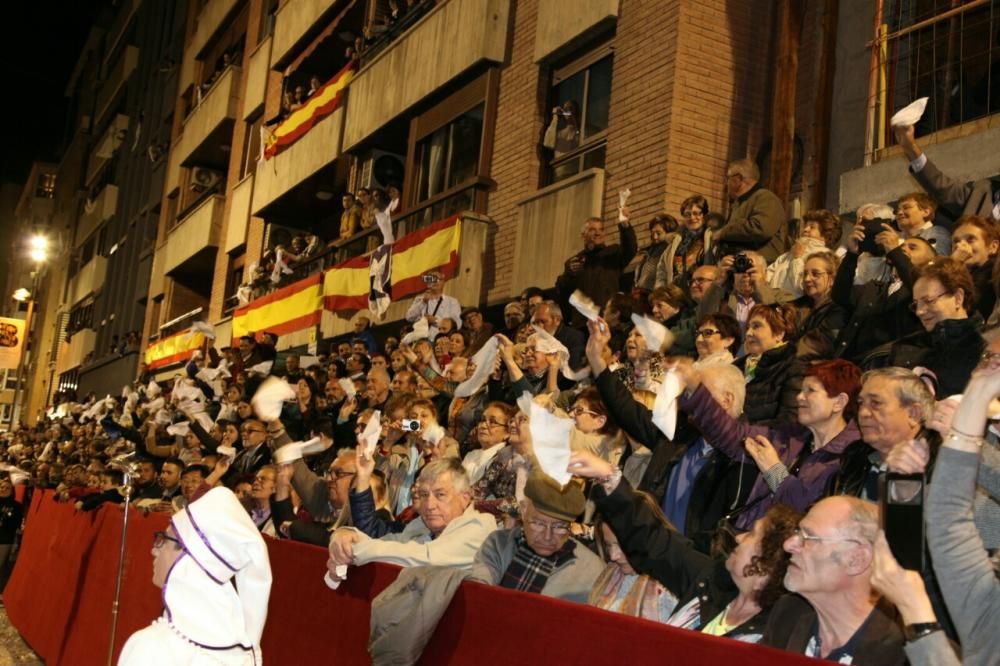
602	268
957	199
879	640
721	486
819	327
657	550
756	222
775	384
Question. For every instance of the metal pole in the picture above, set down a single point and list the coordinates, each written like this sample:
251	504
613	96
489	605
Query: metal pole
129	468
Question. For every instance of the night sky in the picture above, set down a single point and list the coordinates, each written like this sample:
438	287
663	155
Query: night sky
39	51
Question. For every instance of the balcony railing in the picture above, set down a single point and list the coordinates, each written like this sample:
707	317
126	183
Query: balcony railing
115	80
949	57
195	232
218	105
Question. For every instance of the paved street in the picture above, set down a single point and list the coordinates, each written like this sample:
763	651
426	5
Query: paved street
13	650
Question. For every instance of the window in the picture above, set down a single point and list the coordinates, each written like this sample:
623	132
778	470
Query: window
234	278
46	186
251	147
580	98
449	156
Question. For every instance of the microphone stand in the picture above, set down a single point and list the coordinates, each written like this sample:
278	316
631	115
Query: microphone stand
130	470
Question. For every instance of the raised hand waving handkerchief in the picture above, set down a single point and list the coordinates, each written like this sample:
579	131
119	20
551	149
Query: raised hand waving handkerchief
483	361
665	405
909	114
269	398
658	337
584	305
550	441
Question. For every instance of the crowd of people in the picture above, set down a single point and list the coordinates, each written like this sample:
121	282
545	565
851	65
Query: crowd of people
697	432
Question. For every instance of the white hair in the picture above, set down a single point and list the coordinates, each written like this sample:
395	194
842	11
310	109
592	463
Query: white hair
719	377
875	211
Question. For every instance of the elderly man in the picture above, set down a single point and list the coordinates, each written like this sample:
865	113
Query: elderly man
701	280
254	454
548	316
325	499
748	288
513	317
449	531
597	269
981	197
541	556
405	381
433	305
834	615
756	217
377	389
479	329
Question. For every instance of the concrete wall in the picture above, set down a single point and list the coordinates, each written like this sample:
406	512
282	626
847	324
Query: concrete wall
559	24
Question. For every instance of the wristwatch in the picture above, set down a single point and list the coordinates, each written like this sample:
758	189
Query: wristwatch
916	631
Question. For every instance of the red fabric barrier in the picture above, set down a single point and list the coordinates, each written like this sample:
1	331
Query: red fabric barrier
60	595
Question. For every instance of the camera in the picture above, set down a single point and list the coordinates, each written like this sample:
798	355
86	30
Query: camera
411	425
872	229
430	279
903	517
742	263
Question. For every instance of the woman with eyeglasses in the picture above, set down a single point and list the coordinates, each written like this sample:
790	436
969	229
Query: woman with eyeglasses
687	247
491	434
300	416
796	460
495	491
595	430
772	369
715	338
950	344
821	319
722	596
819	231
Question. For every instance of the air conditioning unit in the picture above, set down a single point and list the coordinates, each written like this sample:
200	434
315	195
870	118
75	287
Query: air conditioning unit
203	179
380	168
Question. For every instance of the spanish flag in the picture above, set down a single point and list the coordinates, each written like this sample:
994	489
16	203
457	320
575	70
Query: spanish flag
346	286
173	349
283	311
321	104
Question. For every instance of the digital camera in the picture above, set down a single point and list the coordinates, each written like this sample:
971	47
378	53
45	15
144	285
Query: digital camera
430	279
742	263
411	425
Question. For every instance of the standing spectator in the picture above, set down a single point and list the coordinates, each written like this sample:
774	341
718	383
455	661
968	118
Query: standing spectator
660	228
367	205
363	332
915	217
756	219
479	331
350	219
433	305
688	247
597	269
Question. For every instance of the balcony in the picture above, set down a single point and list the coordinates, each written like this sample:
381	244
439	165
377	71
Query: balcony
101	209
87	281
210	125
293	20
260	62
191	244
548	227
126	12
210	19
557	28
239	214
316	149
75	351
115	81
107	146
422	60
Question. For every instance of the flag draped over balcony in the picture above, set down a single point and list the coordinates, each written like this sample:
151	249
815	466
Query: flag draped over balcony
173	349
321	104
347	286
284	311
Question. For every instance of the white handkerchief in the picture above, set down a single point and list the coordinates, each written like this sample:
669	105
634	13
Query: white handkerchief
546	343
295	450
421	330
373	430
201	327
226	451
384	223
584	305
665	405
623	196
269	398
909	114
162	417
152	389
204	420
155	405
656	334
348	385
483	361
434	434
262	369
182	428
550	442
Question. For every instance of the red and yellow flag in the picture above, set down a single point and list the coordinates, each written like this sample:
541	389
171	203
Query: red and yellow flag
173	349
283	311
346	285
321	104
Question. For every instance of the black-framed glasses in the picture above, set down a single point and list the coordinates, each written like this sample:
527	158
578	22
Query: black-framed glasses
705	333
247	431
338	474
701	280
493	423
928	302
160	538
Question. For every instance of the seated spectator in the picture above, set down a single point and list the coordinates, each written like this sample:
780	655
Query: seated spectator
478	330
820	232
494	492
264	483
513	317
950	345
820	318
756	221
541	556
491	434
714	338
449	531
458	343
672	307
191	479
747	288
645	273
975	242
915	217
350	218
425	444
729	597
548	316
834	614
796	460
621	589
325	499
772	369
596	270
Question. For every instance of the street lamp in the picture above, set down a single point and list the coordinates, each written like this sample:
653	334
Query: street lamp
39	248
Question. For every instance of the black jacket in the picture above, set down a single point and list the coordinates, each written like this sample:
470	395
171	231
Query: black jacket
602	269
657	550
771	394
721	486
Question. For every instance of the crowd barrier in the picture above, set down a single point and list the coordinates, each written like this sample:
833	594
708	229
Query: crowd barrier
61	592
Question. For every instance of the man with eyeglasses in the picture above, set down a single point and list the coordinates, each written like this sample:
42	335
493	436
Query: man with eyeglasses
255	452
834	613
541	556
747	288
756	217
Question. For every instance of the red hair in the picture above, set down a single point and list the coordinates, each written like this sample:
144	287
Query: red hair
839	376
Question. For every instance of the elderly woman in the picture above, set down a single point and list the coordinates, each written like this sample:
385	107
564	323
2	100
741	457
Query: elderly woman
772	370
821	318
715	337
796	460
950	343
671	306
722	597
495	491
820	231
491	434
645	274
686	248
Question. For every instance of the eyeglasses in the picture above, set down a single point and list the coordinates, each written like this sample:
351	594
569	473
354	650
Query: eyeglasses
806	538
247	431
730	176
493	423
815	274
554	529
928	302
338	474
160	538
705	333
701	280
693	213
578	411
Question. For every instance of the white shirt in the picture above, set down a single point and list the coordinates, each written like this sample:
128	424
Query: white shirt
440	307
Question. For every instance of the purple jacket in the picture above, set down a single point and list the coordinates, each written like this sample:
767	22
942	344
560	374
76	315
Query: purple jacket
727	435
